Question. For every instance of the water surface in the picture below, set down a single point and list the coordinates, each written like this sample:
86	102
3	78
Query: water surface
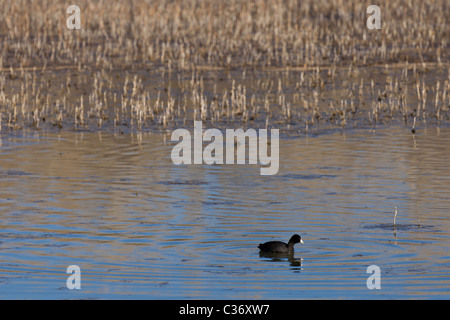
140	227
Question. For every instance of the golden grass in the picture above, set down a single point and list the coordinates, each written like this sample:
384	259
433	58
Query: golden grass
147	64
223	33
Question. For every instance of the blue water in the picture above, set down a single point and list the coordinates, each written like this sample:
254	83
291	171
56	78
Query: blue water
140	227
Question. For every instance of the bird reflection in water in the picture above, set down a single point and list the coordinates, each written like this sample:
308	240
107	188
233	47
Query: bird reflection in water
282	256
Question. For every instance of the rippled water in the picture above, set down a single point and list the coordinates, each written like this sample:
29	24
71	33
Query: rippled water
140	227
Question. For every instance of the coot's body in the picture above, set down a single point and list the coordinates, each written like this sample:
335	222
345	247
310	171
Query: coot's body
278	246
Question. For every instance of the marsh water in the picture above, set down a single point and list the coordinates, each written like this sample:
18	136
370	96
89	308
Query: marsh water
139	226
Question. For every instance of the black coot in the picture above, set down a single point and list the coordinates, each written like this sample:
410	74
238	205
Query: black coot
278	246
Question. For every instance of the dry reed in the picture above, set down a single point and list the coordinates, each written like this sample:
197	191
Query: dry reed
154	64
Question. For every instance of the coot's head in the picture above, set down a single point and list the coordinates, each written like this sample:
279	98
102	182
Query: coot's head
295	239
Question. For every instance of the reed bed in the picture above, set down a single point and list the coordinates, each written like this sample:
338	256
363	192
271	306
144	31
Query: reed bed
147	65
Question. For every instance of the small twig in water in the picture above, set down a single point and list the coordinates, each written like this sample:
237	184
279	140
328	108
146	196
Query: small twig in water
395	215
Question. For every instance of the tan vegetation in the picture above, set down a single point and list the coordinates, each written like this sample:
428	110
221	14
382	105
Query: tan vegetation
154	64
